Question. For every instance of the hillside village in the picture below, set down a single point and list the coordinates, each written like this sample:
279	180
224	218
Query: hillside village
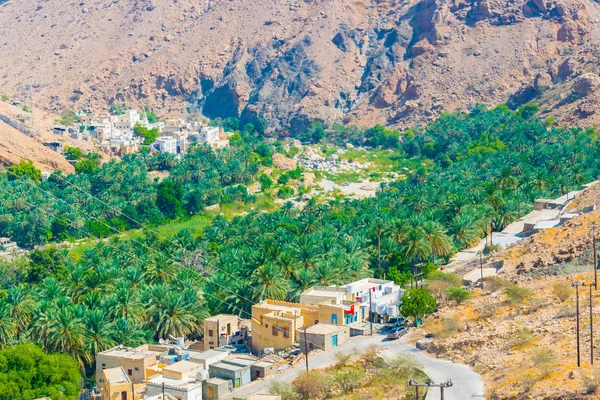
116	134
236	352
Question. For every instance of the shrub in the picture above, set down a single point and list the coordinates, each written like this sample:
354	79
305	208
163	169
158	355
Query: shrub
452	279
567	311
494	283
562	291
445	327
459	295
520	337
516	294
439	289
591	383
283	389
542	358
348	380
342	358
312	385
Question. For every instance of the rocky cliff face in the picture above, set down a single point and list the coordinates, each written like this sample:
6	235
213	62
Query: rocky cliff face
295	61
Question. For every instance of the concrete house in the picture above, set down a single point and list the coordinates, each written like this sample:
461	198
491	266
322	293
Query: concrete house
385	296
276	324
166	144
219	329
238	375
134	361
208	357
216	388
325	337
117	385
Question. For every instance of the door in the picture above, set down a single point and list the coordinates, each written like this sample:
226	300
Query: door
237	382
257	374
333	319
123	395
334	340
210	392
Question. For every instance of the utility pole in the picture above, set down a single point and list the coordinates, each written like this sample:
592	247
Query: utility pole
591	328
371	308
132	391
428	384
305	350
163	391
595	258
218	334
481	267
576	285
567	184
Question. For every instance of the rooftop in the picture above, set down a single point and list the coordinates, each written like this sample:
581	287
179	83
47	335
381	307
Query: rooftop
181	366
324	329
365	284
217	381
216	318
139	353
229	367
185	383
205	355
115	375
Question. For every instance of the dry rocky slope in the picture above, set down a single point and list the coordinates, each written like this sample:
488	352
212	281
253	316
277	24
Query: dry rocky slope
294	61
527	349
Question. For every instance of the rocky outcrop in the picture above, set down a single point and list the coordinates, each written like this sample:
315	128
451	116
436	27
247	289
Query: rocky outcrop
283	162
586	84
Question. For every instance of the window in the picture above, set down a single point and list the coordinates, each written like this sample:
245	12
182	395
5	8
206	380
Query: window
274	330
286	332
103	365
266	325
101	380
129	372
136	368
210	332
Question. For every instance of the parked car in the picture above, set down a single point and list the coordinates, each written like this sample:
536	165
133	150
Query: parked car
395	322
346	183
397	333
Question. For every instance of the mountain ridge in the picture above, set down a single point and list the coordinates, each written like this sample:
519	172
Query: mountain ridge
294	62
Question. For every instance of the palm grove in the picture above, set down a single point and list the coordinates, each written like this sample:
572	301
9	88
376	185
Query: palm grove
479	170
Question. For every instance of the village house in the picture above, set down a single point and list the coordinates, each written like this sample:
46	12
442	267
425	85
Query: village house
385	296
116	385
219	329
182	380
166	144
276	324
324	337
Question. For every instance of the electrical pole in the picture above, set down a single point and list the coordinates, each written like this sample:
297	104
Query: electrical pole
371	309
132	391
305	350
576	285
429	384
163	391
591	328
595	258
481	267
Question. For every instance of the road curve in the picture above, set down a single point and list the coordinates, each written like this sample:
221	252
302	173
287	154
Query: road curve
467	384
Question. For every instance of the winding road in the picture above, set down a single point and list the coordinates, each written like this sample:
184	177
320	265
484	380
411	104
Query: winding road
467	384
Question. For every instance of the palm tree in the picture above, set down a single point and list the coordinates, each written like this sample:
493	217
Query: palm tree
175	317
97	334
439	243
20	306
8	325
66	334
269	283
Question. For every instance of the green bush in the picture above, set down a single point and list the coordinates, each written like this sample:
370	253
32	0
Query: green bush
517	295
459	295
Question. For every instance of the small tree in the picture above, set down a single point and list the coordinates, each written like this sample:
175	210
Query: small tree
25	170
417	302
516	295
459	295
73	153
312	385
562	291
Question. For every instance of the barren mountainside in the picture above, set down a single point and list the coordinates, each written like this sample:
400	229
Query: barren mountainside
294	61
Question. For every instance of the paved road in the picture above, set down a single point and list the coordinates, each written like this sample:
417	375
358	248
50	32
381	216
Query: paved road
467	383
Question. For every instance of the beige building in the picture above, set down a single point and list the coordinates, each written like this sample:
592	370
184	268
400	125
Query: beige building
276	324
116	385
324	337
224	326
134	361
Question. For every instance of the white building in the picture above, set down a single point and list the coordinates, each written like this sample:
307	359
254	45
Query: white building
166	144
385	296
182	380
209	134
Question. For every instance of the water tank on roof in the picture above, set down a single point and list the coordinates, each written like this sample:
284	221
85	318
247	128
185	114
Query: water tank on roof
391	310
350	288
202	375
180	341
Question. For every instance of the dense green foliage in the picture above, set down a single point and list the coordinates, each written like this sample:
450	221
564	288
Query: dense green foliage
149	135
61	208
25	170
26	372
417	302
478	171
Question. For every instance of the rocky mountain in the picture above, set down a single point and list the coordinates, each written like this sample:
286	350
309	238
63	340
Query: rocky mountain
295	61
